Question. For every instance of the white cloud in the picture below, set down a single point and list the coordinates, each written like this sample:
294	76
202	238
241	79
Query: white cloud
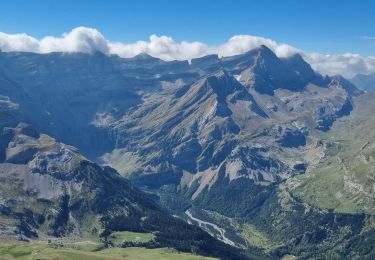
88	40
18	42
80	39
242	43
347	64
162	47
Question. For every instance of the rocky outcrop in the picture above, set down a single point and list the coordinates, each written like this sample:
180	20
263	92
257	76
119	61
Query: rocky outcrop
170	117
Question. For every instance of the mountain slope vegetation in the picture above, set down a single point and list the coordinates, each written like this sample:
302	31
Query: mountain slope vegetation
49	190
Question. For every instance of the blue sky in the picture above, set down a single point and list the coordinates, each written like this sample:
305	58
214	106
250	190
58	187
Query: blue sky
328	26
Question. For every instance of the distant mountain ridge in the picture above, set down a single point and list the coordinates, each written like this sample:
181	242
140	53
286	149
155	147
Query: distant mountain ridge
206	121
175	116
365	82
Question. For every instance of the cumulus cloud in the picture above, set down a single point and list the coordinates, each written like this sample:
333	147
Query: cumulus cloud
347	64
18	42
162	47
80	39
166	48
89	40
242	43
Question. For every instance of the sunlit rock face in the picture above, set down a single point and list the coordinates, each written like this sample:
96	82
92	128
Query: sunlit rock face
167	117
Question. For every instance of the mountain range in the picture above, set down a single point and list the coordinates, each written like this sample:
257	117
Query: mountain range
260	152
366	82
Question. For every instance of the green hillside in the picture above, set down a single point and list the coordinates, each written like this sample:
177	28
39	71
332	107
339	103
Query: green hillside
344	178
42	250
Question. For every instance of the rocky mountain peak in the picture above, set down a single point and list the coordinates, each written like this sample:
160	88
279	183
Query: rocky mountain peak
221	83
347	85
300	66
144	56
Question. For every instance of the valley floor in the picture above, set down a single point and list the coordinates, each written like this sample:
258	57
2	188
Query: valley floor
43	250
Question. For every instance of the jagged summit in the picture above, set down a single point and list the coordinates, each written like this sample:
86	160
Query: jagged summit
143	56
262	70
222	83
262	52
297	63
221	74
238	63
347	85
